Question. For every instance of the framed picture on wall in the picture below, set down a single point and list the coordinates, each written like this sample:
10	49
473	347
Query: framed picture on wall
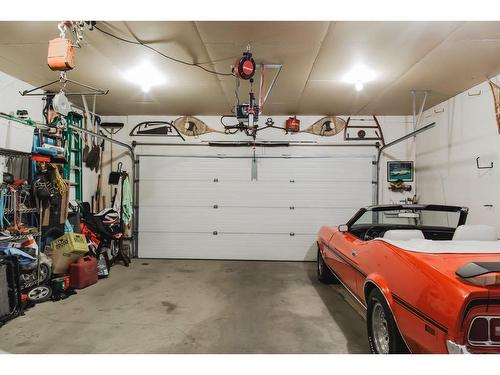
400	171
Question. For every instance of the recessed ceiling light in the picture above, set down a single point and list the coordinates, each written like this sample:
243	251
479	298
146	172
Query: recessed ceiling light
145	75
359	75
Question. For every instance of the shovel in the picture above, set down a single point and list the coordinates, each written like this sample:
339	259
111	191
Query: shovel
86	148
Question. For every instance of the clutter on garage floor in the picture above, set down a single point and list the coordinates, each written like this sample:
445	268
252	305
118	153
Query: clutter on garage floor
51	242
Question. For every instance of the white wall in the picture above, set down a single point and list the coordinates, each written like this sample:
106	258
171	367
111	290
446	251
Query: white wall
446	155
11	100
393	127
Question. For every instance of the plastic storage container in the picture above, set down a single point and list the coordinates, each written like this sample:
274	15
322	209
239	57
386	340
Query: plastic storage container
83	273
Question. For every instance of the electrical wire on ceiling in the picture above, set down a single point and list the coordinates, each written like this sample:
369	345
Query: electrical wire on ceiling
138	42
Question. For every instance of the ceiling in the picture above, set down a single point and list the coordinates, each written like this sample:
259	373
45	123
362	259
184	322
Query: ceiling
445	57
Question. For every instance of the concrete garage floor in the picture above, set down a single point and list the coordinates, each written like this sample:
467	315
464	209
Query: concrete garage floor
195	306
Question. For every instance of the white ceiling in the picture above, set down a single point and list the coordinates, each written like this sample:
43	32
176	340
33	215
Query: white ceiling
445	57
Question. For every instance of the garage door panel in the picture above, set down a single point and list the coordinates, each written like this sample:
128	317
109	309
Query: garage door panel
241	219
255	193
253	219
227	246
174	168
315	169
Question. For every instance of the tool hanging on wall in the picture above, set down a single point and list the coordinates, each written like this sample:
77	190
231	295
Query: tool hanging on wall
155	129
86	115
111	128
327	126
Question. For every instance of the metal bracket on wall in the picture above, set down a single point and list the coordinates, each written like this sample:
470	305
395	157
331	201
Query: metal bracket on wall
390	144
483	167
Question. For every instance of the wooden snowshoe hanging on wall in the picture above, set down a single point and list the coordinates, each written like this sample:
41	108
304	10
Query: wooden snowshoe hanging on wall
193	127
495	90
327	126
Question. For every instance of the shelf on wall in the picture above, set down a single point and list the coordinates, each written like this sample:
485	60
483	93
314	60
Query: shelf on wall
14	153
20	237
22	211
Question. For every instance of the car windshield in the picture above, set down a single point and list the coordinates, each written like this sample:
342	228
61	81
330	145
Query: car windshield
410	217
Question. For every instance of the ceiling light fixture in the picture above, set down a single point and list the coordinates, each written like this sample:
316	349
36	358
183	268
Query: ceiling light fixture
145	75
358	76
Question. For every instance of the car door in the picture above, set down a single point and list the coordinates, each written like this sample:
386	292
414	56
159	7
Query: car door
347	248
342	254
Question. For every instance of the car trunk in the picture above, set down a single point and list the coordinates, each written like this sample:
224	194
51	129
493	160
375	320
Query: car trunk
448	264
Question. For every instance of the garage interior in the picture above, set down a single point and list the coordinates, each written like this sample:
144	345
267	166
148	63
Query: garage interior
214	185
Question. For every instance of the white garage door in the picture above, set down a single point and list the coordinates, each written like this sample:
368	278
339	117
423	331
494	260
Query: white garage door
210	208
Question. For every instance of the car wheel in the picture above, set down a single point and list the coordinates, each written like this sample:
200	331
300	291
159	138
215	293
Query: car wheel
324	274
45	273
383	333
39	294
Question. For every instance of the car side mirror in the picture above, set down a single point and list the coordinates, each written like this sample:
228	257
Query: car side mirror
343	228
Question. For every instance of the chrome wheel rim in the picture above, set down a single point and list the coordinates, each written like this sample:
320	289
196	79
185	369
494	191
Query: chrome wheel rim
44	272
380	330
38	293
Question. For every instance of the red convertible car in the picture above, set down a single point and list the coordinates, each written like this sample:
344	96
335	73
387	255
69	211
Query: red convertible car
429	283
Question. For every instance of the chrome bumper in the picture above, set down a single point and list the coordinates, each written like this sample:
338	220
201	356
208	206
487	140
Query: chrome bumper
454	348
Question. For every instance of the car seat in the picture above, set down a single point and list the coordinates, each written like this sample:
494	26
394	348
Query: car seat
403	234
475	233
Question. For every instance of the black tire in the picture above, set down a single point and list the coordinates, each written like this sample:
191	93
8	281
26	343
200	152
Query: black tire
394	342
324	274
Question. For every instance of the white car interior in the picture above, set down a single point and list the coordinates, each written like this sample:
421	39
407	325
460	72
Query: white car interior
474	233
467	239
403	234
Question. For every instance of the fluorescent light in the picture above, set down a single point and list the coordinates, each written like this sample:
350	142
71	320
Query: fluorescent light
359	75
145	75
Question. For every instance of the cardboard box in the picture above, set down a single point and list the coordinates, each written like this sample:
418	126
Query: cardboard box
66	250
61	259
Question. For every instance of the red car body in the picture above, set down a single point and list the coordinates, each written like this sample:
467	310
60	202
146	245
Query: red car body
429	303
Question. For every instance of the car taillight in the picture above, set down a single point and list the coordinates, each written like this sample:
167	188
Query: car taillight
484	331
478	331
485	280
495	329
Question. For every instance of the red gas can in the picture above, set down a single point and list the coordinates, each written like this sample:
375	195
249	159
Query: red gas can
83	273
292	124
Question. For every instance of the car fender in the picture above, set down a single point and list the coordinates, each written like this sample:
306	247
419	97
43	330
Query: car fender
379	282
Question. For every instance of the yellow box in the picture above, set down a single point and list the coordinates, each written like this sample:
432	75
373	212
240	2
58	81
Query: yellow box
73	243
